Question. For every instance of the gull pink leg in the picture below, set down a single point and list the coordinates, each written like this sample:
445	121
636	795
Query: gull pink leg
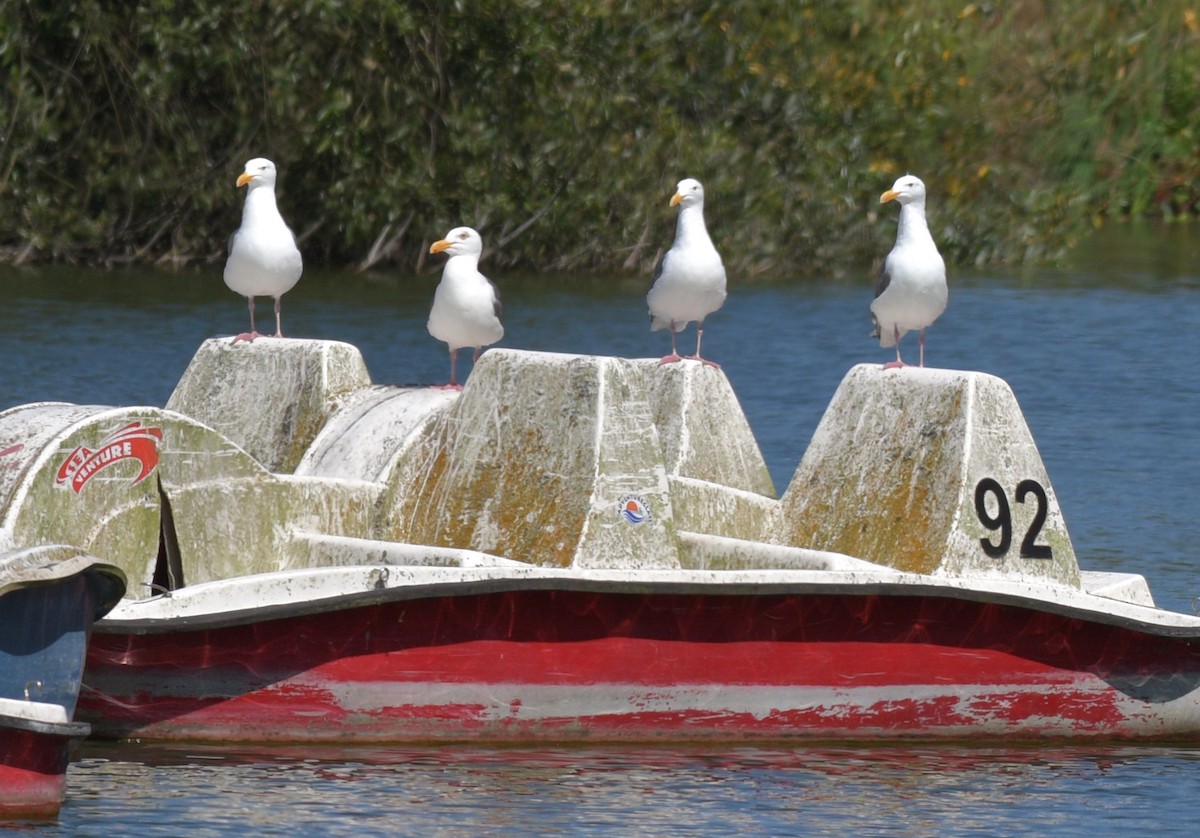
696	357
674	356
899	362
252	334
453	385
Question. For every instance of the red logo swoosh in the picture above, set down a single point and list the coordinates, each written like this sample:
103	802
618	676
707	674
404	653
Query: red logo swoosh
132	442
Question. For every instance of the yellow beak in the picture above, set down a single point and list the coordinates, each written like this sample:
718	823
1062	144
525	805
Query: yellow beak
439	246
675	199
244	178
890	195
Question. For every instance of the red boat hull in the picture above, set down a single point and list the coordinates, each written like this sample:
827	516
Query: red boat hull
33	768
521	665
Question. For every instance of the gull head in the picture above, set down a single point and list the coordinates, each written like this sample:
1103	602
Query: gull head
906	190
459	242
688	192
258	172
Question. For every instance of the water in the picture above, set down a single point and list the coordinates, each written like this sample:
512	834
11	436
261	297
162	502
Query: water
1101	355
461	791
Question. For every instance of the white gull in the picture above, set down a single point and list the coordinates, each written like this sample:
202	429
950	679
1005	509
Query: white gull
911	292
466	306
689	282
263	258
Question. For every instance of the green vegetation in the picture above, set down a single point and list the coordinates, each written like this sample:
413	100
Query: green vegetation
559	128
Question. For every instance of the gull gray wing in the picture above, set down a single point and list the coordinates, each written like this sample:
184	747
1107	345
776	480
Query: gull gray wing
662	263
885	279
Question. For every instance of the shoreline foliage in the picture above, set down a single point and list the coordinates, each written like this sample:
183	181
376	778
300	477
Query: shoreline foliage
559	129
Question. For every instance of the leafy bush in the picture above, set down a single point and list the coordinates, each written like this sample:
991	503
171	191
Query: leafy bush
560	128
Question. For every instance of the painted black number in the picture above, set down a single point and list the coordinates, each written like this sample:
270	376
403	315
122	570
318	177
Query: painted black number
1030	549
1002	522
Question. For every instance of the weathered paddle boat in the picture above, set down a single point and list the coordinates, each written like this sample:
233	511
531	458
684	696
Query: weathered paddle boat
584	548
50	595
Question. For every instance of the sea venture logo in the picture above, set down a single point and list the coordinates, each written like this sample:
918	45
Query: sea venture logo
633	509
132	442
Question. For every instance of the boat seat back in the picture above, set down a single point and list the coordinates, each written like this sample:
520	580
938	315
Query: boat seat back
928	471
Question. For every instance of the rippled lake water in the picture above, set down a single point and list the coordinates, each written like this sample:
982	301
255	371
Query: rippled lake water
730	790
1101	355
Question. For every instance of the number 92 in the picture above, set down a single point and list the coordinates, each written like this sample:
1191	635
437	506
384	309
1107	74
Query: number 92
1001	522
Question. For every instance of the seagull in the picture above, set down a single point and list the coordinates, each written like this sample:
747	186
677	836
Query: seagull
911	291
263	258
466	307
689	282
